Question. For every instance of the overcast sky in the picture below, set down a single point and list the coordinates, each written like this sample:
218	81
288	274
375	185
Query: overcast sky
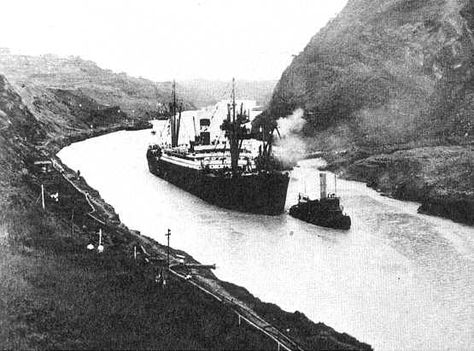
162	40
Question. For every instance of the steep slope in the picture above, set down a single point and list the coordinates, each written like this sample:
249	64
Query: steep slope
391	75
137	97
58	294
394	70
17	128
69	78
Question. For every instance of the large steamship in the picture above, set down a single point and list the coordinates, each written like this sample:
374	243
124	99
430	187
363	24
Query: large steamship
223	172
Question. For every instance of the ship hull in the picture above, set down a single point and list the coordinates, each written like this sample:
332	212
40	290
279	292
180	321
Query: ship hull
317	214
254	193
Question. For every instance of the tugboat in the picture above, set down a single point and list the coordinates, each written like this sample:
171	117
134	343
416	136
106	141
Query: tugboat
223	172
325	212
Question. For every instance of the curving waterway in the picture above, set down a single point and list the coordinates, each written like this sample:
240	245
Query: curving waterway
397	280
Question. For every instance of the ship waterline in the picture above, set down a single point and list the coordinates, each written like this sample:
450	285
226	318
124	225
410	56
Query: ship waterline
263	193
219	168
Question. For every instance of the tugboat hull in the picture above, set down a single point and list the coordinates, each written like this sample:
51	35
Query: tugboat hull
263	193
322	213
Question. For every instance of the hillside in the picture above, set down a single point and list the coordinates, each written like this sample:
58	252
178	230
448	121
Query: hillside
57	294
387	76
138	97
394	71
47	74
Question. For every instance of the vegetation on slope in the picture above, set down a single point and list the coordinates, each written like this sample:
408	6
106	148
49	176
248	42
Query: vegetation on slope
440	177
56	293
138	97
386	76
47	74
394	71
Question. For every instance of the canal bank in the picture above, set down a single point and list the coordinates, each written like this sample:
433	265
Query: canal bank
58	293
394	267
78	215
438	177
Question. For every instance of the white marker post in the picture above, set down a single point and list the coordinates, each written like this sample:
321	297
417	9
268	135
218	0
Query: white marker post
42	196
100	247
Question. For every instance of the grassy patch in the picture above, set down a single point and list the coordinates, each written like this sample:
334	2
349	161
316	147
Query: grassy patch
56	294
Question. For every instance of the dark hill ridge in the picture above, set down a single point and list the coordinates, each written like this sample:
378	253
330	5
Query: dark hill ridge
138	97
387	76
68	94
395	70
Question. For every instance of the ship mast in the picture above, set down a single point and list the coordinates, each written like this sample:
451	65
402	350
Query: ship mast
234	141
175	118
234	131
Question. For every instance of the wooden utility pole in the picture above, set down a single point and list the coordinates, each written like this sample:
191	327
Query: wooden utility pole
168	253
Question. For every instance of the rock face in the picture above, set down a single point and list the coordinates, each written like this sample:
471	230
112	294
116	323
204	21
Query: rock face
440	177
18	127
47	74
387	72
392	76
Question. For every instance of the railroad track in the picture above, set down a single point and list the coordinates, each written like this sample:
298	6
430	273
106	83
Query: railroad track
243	312
246	314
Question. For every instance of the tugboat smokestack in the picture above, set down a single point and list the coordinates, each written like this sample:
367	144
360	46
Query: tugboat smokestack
326	211
322	182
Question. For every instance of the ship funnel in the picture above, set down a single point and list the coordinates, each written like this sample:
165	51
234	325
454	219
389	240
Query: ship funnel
322	185
205	135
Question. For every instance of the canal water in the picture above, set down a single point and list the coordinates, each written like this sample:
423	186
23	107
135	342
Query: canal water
396	280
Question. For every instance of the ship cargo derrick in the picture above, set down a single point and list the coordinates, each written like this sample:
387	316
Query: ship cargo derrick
223	173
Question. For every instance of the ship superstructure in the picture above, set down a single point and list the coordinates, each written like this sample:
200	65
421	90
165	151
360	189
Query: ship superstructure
223	171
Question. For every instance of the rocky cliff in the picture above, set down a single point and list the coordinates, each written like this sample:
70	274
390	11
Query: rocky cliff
137	97
386	76
51	78
393	70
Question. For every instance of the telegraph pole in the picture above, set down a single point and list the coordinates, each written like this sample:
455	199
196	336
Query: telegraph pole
168	254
